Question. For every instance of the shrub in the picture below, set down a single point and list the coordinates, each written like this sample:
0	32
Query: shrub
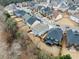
43	55
65	57
12	29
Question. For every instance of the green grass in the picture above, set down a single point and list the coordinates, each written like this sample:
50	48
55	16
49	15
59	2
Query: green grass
43	55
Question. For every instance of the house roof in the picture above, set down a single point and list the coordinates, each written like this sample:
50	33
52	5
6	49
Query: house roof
26	16
10	7
28	10
39	7
38	15
73	37
47	10
32	19
40	29
63	4
56	2
55	34
73	7
19	12
31	3
75	18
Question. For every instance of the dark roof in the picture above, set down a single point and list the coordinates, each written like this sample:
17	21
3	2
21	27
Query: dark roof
26	17
39	7
73	7
73	37
31	3
54	34
32	19
19	12
47	10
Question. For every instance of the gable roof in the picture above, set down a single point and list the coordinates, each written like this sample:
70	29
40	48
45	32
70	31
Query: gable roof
19	12
73	7
40	29
26	16
55	34
75	18
73	37
47	10
32	19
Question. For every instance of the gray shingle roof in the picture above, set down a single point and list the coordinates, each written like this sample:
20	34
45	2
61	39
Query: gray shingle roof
19	13
26	17
55	33
47	11
73	37
40	29
72	7
32	19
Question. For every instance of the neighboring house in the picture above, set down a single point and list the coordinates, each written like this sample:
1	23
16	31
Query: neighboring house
26	17
19	13
54	36
38	15
63	6
39	1
56	3
77	1
72	1
32	20
75	18
46	11
50	23
39	7
72	38
59	5
72	9
19	5
10	8
31	3
40	29
27	10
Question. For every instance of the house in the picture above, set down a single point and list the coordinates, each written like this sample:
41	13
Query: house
77	1
63	6
31	3
56	3
46	11
54	36
75	18
26	17
59	5
24	4
19	13
73	1
19	5
39	1
26	9
10	8
32	20
39	7
40	29
38	15
73	9
72	38
50	23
